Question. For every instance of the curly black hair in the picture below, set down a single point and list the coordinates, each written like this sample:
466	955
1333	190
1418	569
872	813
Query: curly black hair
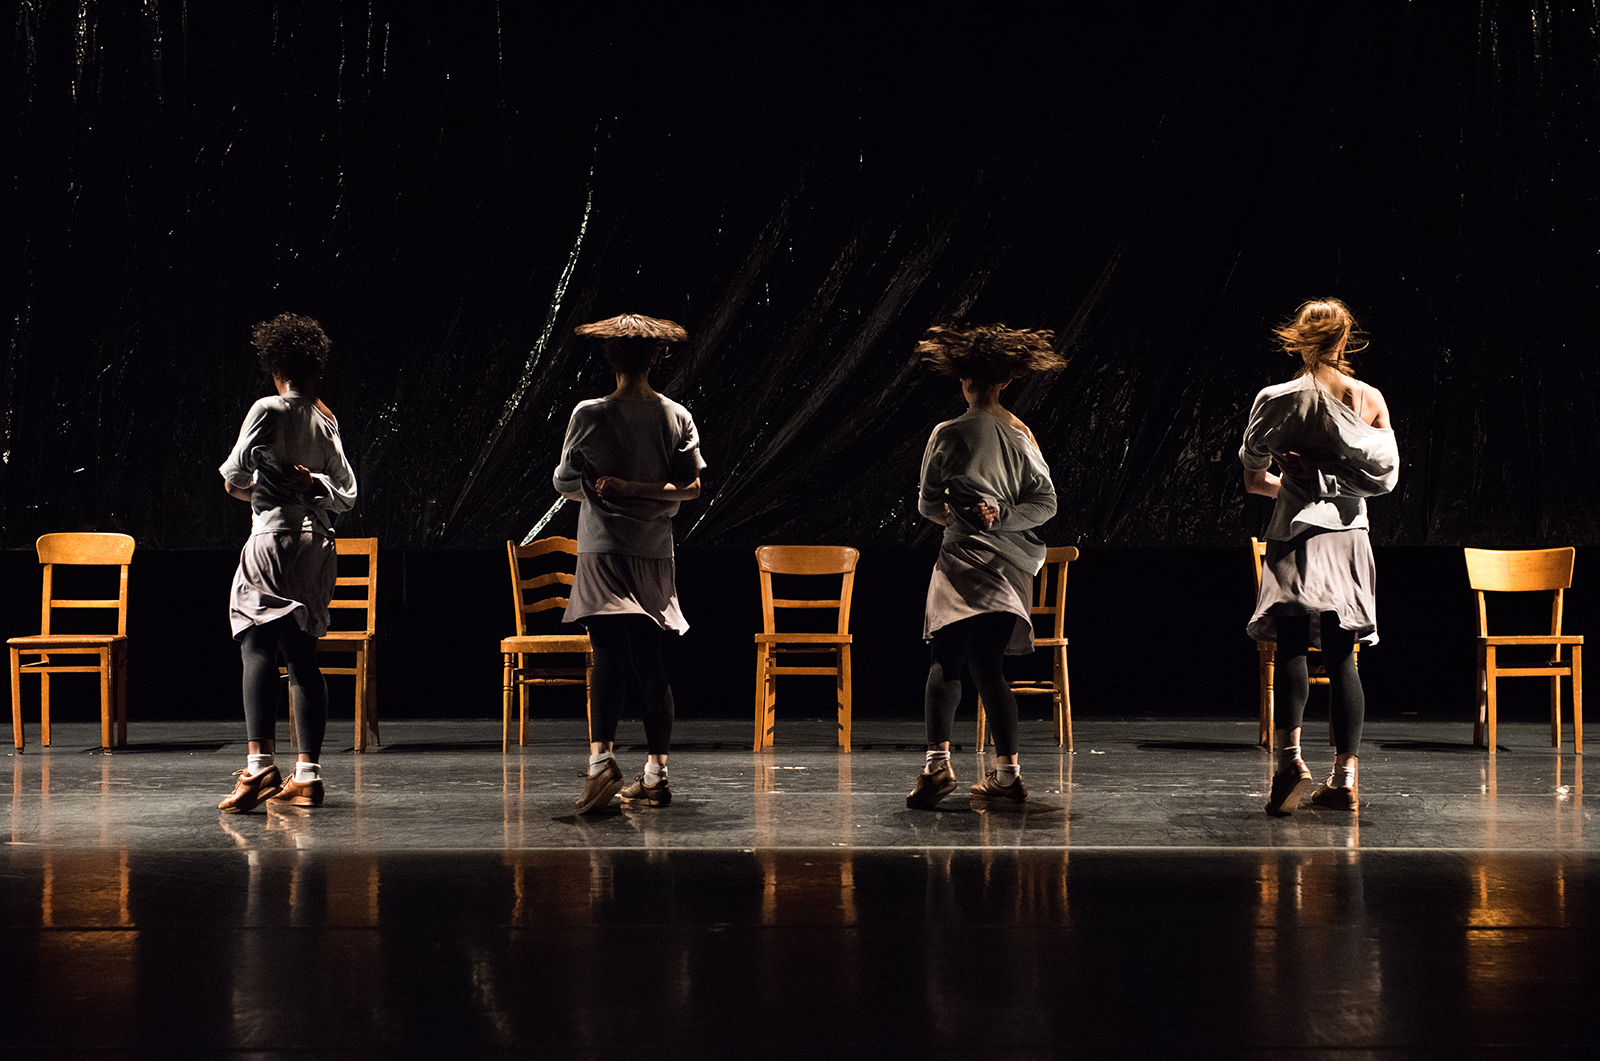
988	353
291	347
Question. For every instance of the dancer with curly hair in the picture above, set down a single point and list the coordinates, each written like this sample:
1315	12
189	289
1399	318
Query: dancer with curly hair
289	465
1331	437
629	459
985	481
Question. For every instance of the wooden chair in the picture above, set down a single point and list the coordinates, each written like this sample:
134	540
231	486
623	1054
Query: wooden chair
1049	598
361	644
110	651
1267	654
770	643
515	651
1523	571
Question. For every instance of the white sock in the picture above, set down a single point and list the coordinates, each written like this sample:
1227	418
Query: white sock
304	772
597	763
257	763
1287	756
1007	774
654	772
1344	776
934	759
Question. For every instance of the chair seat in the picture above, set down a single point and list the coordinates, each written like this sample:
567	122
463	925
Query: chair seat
65	640
1531	639
346	635
804	639
546	643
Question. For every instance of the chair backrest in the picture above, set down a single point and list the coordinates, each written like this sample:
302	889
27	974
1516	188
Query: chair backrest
520	586
85	549
806	560
1258	552
1520	571
1050	587
366	598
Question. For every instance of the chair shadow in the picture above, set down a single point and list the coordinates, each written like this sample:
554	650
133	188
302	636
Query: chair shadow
163	746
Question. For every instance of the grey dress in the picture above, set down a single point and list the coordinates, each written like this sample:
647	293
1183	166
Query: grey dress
1318	556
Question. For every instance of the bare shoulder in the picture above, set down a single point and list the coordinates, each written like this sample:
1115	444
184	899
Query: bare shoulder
1377	409
1020	426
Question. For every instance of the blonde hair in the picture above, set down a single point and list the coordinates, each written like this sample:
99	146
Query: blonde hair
1322	332
988	353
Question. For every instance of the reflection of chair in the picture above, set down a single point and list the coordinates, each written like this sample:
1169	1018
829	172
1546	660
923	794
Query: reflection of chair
1267	652
770	644
1049	596
110	651
515	651
361	644
1521	571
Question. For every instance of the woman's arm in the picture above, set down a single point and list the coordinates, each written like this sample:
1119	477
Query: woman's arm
1260	481
241	492
609	486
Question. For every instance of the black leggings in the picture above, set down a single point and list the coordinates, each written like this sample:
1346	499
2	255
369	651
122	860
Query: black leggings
259	648
976	648
628	669
1291	684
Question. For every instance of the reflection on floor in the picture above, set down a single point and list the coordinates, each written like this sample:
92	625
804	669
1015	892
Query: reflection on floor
788	905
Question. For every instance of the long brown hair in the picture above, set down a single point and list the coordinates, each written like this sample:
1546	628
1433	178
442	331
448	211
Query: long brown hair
988	353
1322	332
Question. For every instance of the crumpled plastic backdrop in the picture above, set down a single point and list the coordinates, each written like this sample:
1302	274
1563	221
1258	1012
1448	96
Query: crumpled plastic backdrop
450	189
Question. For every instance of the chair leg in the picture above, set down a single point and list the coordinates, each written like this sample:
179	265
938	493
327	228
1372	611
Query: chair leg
844	697
1489	700
104	659
1064	687
1481	713
522	706
361	701
1577	698
505	701
1267	659
1555	706
16	697
44	707
120	657
588	693
983	728
294	732
763	732
371	658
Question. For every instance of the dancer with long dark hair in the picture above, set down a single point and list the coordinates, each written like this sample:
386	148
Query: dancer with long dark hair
985	481
629	459
290	466
1331	437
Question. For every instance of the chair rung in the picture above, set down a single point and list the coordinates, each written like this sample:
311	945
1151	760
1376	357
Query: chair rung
819	671
548	681
1532	639
778	603
803	639
1553	670
85	604
39	668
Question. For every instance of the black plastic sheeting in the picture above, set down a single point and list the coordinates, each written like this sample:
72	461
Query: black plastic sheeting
451	188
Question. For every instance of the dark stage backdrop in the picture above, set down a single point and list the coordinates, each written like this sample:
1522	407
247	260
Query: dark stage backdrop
451	188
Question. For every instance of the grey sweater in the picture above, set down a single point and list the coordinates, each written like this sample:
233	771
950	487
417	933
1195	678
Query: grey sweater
975	457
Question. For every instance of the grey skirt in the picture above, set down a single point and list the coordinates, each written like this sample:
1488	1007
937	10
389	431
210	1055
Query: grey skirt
284	573
622	584
968	582
1314	572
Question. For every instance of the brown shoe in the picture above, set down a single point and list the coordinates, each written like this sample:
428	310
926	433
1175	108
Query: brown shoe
251	789
656	795
599	788
1288	789
298	794
1341	798
932	787
990	788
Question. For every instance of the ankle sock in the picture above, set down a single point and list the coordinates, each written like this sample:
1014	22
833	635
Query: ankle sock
306	772
1344	776
654	772
934	760
1287	756
597	763
1007	774
257	763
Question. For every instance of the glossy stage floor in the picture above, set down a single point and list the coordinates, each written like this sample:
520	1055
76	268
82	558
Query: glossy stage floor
446	902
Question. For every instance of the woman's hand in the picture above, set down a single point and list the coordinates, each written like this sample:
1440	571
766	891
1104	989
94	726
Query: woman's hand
1295	466
985	513
609	487
300	480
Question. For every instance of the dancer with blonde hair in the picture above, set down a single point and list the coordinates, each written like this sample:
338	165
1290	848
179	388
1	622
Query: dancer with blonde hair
985	481
1331	437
